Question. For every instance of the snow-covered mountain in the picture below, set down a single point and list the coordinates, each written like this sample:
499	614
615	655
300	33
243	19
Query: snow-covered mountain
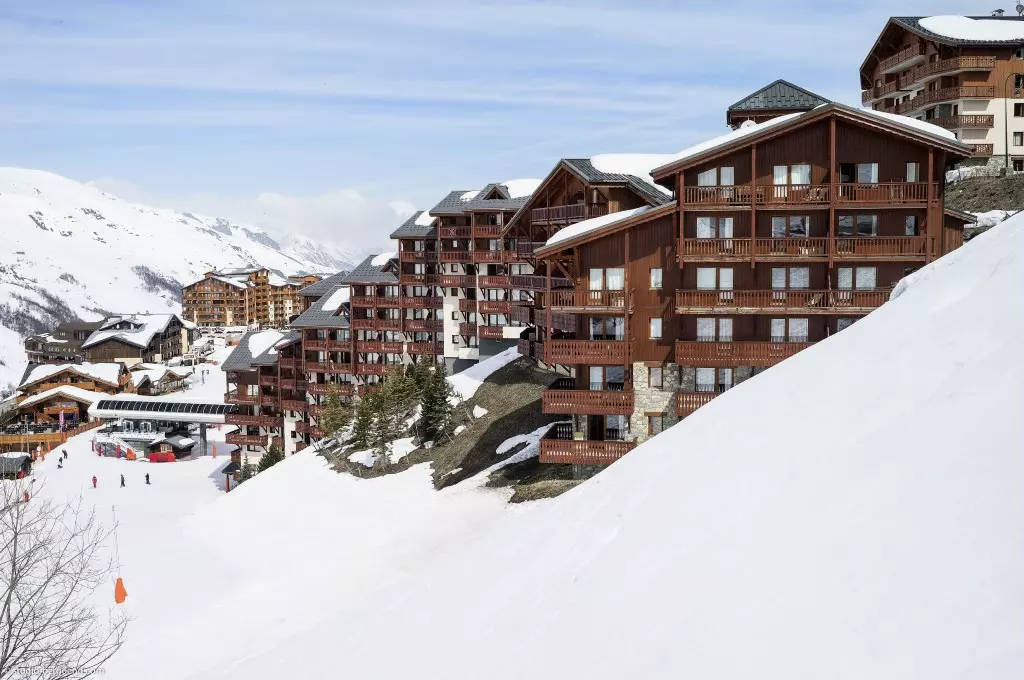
70	250
326	256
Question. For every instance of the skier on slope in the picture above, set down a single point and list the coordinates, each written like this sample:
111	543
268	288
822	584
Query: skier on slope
65	452
147	478
122	481
94	481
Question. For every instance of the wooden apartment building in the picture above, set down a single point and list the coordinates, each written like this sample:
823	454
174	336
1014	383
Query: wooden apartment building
780	234
965	74
63	345
139	338
244	297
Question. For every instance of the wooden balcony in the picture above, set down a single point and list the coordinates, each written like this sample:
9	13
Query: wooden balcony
612	301
412	279
800	247
426	348
289	362
239	398
495	281
880	92
494	306
327	345
534	282
60	408
256	421
418	256
456	281
246	439
421	302
782	301
902	59
525	249
589	352
326	388
982	149
268	399
694	249
294	404
731	354
567	214
268	380
916	76
360	324
532	349
293	384
375	301
895	247
588	402
491	332
688	402
373	369
392	347
486	231
466	305
455	232
494	256
369	347
583	452
328	367
946	94
456	256
414	325
964	121
387	324
467	329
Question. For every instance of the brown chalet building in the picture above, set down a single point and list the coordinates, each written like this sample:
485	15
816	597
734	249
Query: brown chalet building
252	296
965	74
773	237
140	338
63	345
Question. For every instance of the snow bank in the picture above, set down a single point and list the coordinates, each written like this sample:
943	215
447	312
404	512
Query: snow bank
479	411
966	28
468	381
953	176
518	188
594	224
880	534
992	217
382	259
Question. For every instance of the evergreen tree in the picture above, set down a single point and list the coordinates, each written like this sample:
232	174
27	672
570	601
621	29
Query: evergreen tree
270	458
438	415
397	401
335	415
245	472
363	425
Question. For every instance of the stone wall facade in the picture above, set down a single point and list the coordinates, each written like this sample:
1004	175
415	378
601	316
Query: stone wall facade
647	399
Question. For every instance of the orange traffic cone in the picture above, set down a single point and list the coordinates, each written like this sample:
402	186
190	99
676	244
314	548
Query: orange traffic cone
120	594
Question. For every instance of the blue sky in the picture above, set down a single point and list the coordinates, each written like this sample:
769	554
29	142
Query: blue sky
324	117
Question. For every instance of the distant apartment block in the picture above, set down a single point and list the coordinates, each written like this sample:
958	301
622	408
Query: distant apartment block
244	297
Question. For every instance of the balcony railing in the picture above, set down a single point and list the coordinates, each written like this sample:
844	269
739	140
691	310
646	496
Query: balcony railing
328	367
818	194
791	246
491	332
426	348
362	324
246	439
716	248
762	301
982	149
495	281
456	256
486	230
259	421
849	247
239	398
456	281
887	192
525	248
424	325
455	232
533	349
730	354
614	300
327	388
494	306
294	404
487	256
567	214
392	347
583	452
418	256
423	302
467	305
946	94
412	279
373	369
588	402
901	59
467	329
597	352
964	121
369	347
944	67
688	402
879	92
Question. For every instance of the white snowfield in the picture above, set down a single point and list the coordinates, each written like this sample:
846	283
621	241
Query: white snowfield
865	521
67	243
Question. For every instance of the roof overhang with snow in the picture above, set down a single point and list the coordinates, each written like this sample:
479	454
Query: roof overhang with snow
864	119
635	217
141	408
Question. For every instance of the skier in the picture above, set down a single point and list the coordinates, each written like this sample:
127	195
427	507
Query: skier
94	481
65	452
60	463
122	481
147	478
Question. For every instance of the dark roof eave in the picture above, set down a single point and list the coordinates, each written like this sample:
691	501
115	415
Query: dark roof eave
654	213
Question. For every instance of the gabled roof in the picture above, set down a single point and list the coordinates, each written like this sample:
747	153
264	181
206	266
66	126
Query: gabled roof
737	139
258	348
412	227
69	391
323	313
454	203
324	286
109	373
148	326
781	95
960	215
368	272
597	227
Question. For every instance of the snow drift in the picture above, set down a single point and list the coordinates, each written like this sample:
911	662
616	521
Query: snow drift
856	512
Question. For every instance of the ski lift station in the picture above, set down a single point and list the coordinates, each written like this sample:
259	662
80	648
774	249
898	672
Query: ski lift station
142	421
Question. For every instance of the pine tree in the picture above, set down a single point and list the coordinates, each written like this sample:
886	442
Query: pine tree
362	427
335	415
438	413
270	458
397	401
245	472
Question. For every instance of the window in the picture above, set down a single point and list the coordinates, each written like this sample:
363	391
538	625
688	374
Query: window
1018	110
714	227
1018	138
608	328
793	225
913	172
607	279
798	278
714	330
655	425
789	330
655	377
716	177
1018	164
713	380
867	173
842	323
596	279
655	329
455	316
910	225
455	339
714	278
1018	81
867	225
1019	53
656	279
863	278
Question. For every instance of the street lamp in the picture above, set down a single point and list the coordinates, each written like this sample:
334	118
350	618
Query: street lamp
1006	119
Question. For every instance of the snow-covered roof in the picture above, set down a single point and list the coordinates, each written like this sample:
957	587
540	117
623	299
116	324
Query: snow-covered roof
423	219
263	341
468	195
907	121
69	391
148	326
975	29
744	131
382	259
336	299
106	372
596	223
635	164
520	188
237	283
156	374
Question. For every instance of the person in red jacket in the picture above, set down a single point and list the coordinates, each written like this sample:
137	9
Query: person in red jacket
94	481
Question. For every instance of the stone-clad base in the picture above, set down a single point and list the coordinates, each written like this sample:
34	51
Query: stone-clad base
651	400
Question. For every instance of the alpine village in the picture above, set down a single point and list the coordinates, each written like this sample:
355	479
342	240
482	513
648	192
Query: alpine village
644	285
